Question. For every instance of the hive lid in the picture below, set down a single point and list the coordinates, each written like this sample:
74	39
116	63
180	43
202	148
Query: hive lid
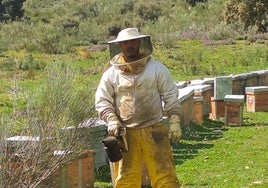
234	98
256	89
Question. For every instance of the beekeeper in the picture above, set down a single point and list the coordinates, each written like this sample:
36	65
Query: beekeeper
135	92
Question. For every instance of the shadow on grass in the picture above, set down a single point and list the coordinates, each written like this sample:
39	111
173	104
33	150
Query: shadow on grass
196	137
183	152
208	130
255	118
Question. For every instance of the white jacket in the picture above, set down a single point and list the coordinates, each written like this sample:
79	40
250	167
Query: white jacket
138	100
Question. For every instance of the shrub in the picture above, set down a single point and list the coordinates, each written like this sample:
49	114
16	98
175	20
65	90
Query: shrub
127	7
57	105
249	12
149	12
16	35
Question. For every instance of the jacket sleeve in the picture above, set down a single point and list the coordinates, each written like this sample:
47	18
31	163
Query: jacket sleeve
104	97
169	92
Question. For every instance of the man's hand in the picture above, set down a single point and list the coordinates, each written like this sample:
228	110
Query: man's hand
113	127
113	124
175	128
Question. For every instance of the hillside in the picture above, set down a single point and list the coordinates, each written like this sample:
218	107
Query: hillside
57	26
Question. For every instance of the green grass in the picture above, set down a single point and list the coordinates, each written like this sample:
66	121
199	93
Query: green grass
197	59
215	155
235	158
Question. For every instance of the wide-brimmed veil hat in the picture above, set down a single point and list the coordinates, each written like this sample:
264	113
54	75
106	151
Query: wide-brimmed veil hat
130	34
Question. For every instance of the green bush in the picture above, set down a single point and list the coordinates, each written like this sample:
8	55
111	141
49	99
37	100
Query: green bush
56	104
16	35
56	27
149	12
127	7
249	12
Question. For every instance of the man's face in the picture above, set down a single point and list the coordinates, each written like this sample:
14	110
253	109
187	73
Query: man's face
130	49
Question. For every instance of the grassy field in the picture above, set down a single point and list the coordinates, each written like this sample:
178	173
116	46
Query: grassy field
215	155
210	155
222	156
44	76
190	59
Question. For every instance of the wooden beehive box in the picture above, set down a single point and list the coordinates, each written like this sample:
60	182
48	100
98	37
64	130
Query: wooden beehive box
89	135
257	99
186	105
198	109
76	172
234	109
203	91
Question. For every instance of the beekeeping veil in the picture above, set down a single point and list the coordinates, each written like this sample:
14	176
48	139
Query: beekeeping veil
145	49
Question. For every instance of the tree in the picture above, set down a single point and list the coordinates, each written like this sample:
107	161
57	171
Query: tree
248	12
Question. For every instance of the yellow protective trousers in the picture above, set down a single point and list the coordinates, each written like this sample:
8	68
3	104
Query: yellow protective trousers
151	145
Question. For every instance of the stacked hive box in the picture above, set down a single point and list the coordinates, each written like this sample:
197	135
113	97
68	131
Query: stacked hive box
252	79
239	84
76	171
257	99
72	169
89	136
198	109
222	87
262	77
186	105
234	109
181	84
204	81
203	91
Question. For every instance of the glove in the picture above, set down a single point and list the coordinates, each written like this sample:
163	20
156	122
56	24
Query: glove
113	128
113	125
174	129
